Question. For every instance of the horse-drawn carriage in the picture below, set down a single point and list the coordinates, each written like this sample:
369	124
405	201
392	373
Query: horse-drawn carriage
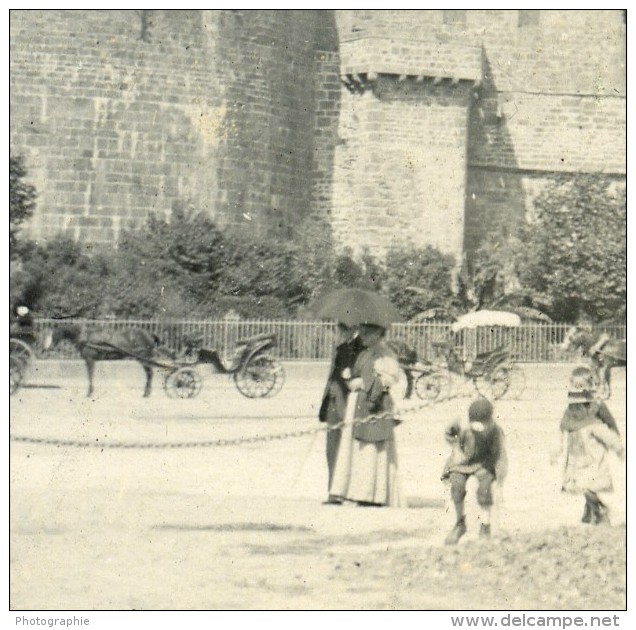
21	356
493	373
254	371
603	353
23	343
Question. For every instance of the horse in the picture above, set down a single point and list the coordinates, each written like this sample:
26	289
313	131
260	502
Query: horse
104	345
603	353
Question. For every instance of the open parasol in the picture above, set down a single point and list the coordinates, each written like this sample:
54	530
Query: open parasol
353	307
486	318
531	314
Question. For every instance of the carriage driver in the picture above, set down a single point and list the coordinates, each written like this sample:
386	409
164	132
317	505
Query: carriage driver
23	320
22	325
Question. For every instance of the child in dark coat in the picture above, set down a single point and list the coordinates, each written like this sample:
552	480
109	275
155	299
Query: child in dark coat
477	450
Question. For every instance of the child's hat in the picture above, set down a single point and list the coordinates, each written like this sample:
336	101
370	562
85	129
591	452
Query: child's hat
581	385
480	411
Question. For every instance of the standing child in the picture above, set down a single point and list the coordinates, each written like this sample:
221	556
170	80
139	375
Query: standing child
479	451
588	434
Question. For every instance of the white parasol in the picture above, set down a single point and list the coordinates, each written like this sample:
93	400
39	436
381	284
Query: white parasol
486	318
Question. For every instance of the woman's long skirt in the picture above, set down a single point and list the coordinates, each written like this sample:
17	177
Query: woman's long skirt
365	472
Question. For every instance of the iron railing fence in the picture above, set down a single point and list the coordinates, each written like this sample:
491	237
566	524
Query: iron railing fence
314	340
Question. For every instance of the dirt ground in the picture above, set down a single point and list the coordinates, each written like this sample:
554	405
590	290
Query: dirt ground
180	526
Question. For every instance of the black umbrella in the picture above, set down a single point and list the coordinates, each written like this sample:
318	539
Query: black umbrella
353	307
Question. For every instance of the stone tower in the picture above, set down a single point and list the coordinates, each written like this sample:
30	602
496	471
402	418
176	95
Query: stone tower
386	126
453	120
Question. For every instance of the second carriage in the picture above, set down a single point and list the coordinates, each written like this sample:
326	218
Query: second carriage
493	373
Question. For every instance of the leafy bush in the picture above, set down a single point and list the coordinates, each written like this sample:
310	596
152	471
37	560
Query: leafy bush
185	266
59	279
417	279
575	249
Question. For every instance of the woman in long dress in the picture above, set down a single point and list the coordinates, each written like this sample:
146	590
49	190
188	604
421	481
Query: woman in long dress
366	469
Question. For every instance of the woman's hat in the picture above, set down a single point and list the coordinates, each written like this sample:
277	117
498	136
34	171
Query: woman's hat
581	385
22	311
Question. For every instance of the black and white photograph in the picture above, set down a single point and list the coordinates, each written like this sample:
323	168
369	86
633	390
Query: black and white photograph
317	310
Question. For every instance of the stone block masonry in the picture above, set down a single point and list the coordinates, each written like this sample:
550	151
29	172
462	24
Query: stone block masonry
491	103
123	113
111	127
381	126
400	168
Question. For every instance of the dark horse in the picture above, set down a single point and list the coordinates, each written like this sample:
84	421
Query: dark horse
105	345
604	353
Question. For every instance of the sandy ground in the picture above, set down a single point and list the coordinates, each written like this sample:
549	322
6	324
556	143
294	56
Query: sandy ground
242	526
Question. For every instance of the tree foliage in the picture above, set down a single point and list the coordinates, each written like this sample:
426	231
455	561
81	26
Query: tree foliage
491	277
22	202
60	278
169	268
418	279
568	261
574	254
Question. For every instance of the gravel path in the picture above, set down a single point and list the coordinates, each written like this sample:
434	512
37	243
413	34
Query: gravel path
243	527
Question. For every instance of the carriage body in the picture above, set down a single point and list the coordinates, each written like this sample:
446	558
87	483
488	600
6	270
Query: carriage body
23	342
21	356
255	373
493	373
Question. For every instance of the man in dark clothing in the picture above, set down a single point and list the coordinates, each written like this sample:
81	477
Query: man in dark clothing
334	399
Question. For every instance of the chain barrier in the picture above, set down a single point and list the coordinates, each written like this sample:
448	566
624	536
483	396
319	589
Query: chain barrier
399	413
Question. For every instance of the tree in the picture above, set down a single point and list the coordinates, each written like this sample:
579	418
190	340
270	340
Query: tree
60	278
22	198
417	279
491	276
171	267
574	254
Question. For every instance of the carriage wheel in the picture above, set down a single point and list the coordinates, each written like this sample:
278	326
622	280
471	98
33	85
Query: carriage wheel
16	374
516	383
278	372
183	383
262	377
433	386
22	352
495	384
